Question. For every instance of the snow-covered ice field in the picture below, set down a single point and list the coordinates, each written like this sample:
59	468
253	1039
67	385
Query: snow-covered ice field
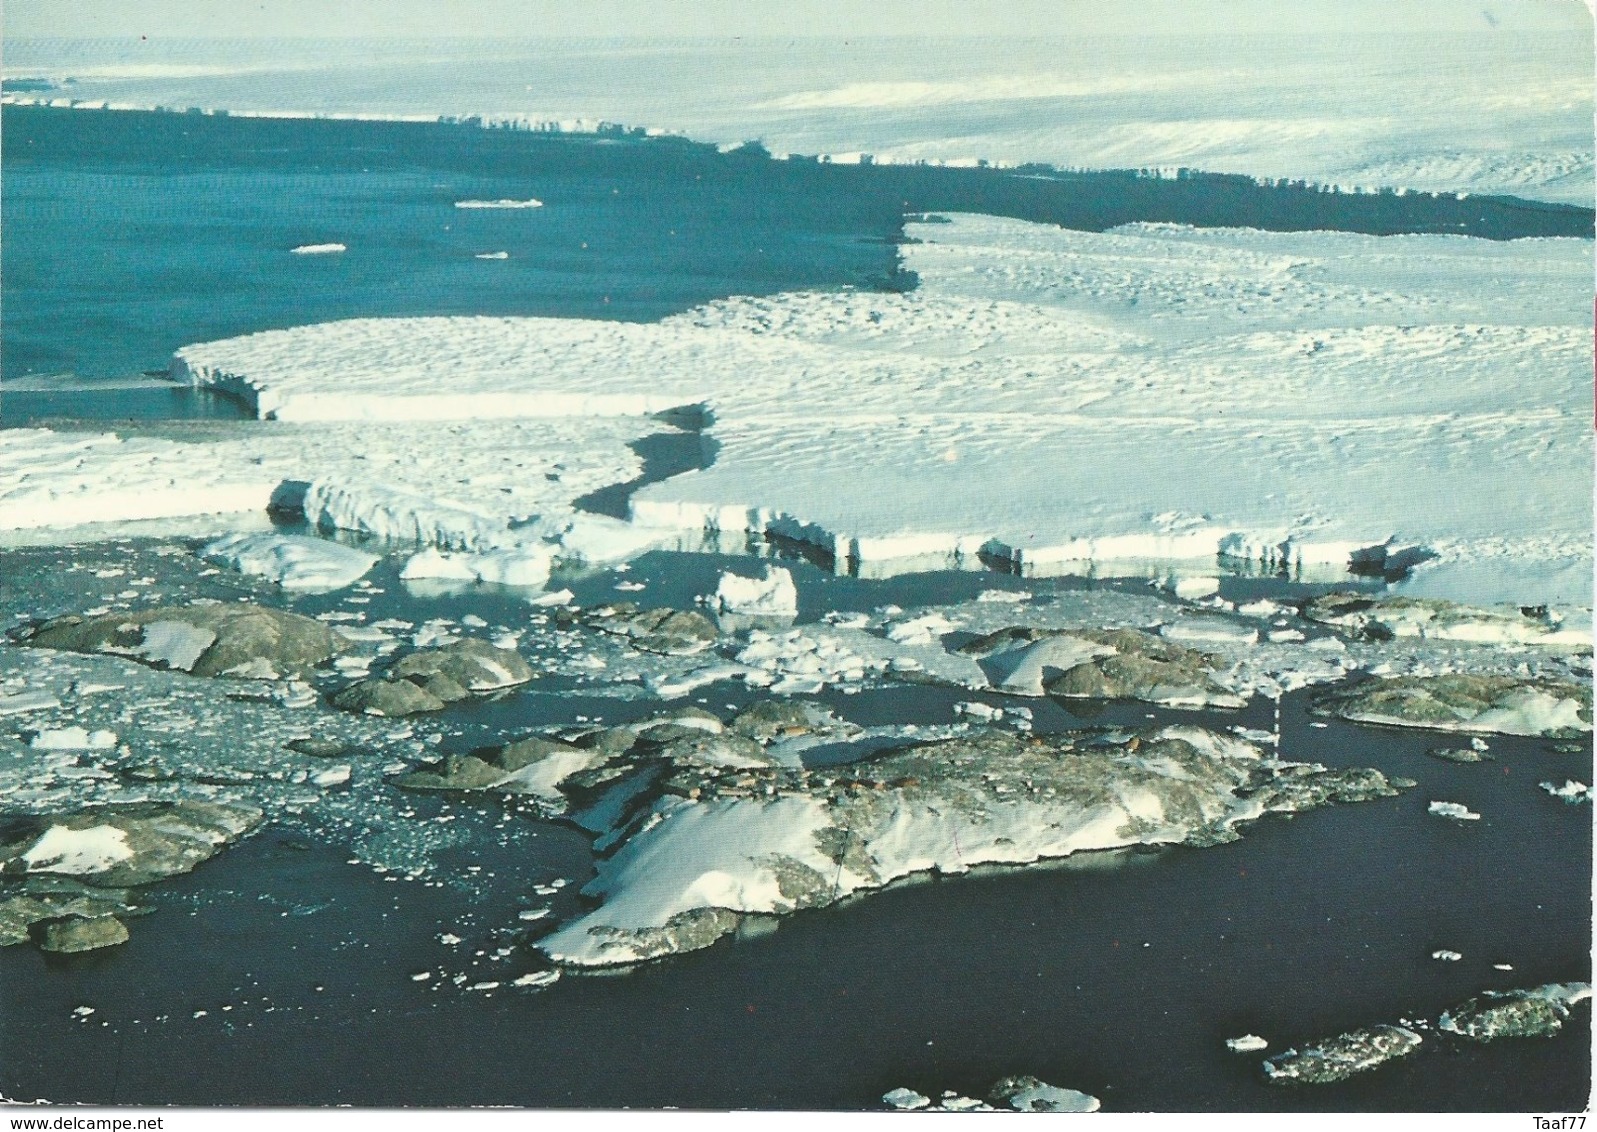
1059	399
1435	98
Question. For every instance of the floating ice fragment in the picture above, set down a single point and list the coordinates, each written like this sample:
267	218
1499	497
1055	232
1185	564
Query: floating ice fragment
774	594
512	566
319	249
504	203
1453	810
332	776
1190	589
421	976
1445	956
905	1100
530	914
537	978
306	565
492	255
1208	629
1247	1043
1571	791
73	739
1003	596
923	630
16	702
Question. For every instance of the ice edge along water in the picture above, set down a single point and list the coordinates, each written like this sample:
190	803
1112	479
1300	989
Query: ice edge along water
1049	399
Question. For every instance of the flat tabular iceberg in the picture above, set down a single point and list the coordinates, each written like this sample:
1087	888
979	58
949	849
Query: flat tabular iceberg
1058	398
499	203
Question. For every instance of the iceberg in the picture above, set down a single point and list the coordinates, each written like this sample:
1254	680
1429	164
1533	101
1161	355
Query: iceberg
510	566
773	595
499	204
309	565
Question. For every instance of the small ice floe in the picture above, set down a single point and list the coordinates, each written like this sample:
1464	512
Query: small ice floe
295	694
504	203
1480	744
1453	811
847	620
951	1101
511	566
332	776
1571	791
449	939
1443	955
82	1011
72	739
1203	628
294	562
472	621
1190	589
16	702
630	587
530	914
672	687
319	249
1003	596
537	978
978	711
905	1100
492	255
555	597
1282	636
421	976
1255	735
1247	1043
1502	966
773	595
923	630
486	985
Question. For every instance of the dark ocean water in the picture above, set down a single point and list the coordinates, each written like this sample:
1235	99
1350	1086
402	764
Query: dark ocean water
130	234
1120	974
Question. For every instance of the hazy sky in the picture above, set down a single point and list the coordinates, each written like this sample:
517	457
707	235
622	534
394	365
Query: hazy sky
170	19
